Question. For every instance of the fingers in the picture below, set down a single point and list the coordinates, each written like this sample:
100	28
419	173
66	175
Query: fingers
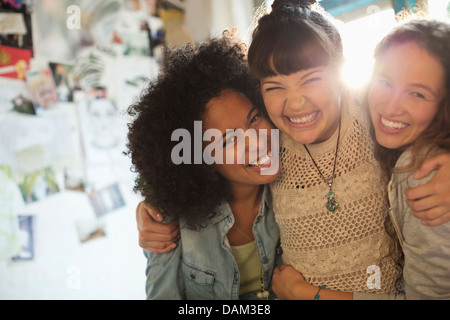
160	241
424	204
145	212
433	217
419	192
155	214
431	164
157	247
153	235
160	232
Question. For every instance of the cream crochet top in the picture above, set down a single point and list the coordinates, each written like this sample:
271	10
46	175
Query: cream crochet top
341	250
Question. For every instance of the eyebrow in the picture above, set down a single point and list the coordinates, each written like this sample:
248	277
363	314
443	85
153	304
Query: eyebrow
416	85
303	78
425	87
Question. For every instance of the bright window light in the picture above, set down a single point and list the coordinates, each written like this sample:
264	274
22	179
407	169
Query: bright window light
438	9
360	38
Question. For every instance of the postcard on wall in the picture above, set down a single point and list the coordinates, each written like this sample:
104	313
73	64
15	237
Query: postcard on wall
9	224
64	81
10	89
106	200
26	226
22	104
90	229
39	185
42	89
103	131
12	23
14	63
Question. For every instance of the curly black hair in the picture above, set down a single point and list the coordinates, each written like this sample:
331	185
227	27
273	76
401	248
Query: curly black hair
193	74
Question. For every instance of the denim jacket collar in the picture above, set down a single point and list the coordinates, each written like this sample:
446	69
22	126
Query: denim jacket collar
224	210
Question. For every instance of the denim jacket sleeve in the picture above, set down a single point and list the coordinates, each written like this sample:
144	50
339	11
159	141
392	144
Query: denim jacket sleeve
164	275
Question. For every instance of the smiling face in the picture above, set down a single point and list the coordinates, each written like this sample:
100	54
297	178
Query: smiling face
407	88
232	111
305	105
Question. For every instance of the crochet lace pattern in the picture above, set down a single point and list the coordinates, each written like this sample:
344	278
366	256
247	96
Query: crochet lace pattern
335	249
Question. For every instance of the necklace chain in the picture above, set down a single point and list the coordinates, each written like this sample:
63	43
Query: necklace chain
242	232
262	293
331	204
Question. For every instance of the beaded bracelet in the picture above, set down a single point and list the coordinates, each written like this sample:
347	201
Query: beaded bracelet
317	296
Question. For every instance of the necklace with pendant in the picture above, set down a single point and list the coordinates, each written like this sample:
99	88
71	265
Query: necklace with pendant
331	205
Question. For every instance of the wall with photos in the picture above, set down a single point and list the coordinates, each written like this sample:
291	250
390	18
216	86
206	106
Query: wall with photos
69	70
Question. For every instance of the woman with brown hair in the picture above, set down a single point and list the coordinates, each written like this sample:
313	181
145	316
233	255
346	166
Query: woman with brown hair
409	104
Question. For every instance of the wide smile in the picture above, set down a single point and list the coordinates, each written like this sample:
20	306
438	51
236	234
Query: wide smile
303	120
262	162
392	126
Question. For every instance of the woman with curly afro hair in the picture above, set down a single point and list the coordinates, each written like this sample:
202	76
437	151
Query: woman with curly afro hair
229	237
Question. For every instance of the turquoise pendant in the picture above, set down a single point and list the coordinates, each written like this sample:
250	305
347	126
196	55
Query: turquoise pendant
332	205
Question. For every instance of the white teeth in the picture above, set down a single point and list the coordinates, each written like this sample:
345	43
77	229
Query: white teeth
304	120
261	162
393	125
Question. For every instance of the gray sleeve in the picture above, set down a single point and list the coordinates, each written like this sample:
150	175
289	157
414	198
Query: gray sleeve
427	252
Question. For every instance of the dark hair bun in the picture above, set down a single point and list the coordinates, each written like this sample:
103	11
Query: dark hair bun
304	4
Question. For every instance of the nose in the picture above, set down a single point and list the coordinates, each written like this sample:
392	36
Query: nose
295	100
393	105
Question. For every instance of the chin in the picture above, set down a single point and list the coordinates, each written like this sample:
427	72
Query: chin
389	144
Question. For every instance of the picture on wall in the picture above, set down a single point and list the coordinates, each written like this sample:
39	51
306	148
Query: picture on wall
39	185
26	233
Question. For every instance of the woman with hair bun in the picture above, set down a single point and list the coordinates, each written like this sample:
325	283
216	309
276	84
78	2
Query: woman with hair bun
329	200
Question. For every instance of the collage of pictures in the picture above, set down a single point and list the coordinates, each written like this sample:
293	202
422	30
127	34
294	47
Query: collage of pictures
68	72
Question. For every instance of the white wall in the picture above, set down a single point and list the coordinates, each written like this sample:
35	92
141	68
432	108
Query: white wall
210	17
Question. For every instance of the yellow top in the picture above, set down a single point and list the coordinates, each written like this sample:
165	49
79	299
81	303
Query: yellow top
247	259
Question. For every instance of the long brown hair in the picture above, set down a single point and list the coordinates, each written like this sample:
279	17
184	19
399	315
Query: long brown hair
434	37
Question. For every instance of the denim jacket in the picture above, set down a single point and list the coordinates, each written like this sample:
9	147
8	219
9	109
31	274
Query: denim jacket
202	266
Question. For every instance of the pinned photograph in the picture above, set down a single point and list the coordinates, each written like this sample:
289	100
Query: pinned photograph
14	63
39	185
90	229
75	179
103	131
26	233
23	105
42	89
11	89
64	81
106	200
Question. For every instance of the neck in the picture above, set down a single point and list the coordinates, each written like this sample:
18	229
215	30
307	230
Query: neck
244	194
245	207
330	133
